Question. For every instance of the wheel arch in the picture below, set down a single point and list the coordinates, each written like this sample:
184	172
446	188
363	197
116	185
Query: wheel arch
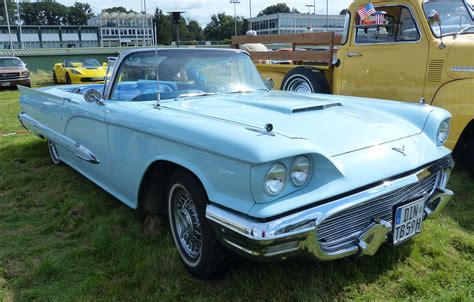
468	132
154	183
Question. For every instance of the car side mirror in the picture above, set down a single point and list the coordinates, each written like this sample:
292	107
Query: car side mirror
269	83
93	96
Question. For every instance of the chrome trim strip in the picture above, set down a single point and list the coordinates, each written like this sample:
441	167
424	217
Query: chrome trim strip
462	69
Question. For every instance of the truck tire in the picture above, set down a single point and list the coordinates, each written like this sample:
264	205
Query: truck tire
55	79
305	80
470	154
198	246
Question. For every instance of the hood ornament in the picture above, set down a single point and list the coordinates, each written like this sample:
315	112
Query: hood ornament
400	150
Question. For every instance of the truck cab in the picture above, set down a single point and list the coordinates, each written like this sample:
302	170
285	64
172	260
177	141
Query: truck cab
423	51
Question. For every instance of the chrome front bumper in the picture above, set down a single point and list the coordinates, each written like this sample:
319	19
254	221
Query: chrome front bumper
297	233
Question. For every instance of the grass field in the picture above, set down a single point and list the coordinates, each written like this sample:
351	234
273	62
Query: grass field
62	238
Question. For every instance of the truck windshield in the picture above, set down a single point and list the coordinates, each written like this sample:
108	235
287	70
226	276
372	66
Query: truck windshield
454	15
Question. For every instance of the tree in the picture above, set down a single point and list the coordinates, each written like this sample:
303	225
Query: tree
222	27
343	12
117	9
11	12
277	9
43	13
164	28
79	13
195	31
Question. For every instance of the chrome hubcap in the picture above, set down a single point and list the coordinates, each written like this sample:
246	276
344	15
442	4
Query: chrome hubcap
300	85
186	221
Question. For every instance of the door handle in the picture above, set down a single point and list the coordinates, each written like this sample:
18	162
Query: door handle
354	54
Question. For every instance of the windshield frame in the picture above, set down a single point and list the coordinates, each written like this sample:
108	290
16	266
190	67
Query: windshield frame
113	80
468	11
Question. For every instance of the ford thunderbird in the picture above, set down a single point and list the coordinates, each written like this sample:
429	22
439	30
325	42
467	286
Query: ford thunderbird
196	134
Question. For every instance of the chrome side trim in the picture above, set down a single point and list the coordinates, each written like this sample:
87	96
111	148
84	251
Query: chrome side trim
462	69
43	131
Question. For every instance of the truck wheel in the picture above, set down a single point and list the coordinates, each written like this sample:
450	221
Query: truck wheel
53	152
305	80
470	154
55	79
196	242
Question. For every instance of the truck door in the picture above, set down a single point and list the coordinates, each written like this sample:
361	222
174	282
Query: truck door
386	60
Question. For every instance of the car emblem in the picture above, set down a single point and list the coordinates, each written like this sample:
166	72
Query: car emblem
401	150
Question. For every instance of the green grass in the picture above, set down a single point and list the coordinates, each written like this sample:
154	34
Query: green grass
63	238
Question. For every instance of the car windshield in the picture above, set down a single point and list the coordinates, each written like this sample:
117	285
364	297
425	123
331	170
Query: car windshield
10	62
183	73
453	16
87	62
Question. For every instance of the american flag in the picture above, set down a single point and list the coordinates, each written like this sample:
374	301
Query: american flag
379	18
366	10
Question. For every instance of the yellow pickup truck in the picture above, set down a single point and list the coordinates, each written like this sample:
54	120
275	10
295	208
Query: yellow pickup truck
419	51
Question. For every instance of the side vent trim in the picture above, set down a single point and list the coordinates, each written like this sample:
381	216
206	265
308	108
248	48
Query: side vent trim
435	71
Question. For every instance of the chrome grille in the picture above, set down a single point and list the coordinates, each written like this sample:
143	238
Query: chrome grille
12	75
343	229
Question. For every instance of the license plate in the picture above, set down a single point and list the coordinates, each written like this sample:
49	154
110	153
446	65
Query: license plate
408	220
5	84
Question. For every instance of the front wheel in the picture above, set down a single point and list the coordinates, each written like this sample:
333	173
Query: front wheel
470	154
196	242
55	79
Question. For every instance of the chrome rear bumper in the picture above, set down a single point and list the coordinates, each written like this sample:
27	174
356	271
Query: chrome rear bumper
297	233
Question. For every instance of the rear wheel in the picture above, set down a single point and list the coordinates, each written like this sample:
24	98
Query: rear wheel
68	78
55	79
196	242
305	80
53	152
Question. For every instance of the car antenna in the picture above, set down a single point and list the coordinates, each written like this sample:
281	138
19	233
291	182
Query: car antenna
158	97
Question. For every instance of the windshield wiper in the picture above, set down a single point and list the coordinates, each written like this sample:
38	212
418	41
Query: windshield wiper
462	31
192	94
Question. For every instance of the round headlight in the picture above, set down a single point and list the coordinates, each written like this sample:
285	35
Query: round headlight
300	171
443	132
275	179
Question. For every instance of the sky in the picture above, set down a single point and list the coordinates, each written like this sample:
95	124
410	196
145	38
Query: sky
201	10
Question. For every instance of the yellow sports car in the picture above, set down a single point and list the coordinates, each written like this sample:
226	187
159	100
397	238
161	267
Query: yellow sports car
79	70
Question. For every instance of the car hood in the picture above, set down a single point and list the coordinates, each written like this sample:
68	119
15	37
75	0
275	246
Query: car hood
12	69
91	70
333	123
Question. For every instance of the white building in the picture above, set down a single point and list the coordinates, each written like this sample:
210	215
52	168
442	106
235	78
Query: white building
294	23
50	36
124	29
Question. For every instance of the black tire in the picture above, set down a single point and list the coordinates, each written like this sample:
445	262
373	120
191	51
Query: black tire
306	80
470	154
68	78
55	79
202	254
53	153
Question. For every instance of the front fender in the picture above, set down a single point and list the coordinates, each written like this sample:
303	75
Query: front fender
456	97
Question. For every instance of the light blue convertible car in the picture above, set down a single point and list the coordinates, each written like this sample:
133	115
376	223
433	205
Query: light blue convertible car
196	134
